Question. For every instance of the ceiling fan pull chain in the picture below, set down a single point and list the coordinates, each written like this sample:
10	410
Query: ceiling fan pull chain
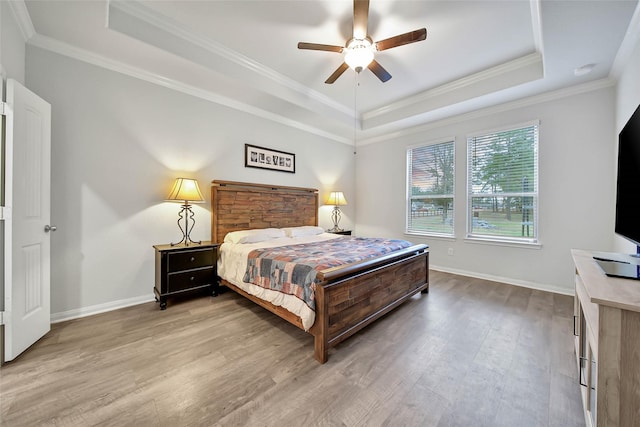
355	114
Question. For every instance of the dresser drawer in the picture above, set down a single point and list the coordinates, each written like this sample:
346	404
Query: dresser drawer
185	260
189	279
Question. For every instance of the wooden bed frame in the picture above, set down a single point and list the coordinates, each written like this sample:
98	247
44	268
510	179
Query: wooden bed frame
348	298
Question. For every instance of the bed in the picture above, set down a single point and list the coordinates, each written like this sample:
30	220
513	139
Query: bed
348	297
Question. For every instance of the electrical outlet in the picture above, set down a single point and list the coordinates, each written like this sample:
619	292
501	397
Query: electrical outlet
450	251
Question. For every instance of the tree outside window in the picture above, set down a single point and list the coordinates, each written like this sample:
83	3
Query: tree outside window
430	178
503	184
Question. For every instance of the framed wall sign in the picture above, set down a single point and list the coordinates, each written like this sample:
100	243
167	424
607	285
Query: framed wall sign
266	158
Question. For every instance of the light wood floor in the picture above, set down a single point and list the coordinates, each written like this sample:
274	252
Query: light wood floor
470	353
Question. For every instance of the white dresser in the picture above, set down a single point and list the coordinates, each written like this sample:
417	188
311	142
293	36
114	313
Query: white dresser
607	330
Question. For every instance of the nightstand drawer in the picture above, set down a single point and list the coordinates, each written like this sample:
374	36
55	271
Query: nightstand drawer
181	268
186	260
189	279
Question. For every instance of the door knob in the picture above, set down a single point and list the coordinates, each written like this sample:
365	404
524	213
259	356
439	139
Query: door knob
48	228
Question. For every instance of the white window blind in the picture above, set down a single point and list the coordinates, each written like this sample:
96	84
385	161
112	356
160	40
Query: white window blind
430	178
502	181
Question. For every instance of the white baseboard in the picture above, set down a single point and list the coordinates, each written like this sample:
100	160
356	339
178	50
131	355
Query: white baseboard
99	308
114	305
509	281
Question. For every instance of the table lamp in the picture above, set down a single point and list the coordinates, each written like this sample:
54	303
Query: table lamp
185	190
336	198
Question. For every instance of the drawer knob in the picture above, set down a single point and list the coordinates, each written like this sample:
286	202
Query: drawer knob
192	278
193	259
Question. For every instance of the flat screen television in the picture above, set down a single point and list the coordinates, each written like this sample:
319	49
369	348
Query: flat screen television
628	186
627	199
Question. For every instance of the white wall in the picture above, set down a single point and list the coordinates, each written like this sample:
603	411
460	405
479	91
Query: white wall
117	145
627	100
12	65
12	47
575	210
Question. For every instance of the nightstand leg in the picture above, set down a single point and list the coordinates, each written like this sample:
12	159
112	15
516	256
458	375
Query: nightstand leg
163	303
214	290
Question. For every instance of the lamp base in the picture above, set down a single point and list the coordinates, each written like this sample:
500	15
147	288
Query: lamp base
335	230
335	217
186	213
186	242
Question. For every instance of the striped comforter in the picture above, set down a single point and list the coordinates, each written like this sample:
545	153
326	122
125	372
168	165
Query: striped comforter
293	269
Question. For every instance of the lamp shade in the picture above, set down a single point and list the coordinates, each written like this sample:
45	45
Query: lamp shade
185	189
336	198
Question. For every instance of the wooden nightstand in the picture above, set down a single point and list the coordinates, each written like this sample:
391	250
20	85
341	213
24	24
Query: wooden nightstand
343	232
183	268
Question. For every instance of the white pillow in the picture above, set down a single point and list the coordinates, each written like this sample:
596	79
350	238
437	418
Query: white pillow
254	236
305	230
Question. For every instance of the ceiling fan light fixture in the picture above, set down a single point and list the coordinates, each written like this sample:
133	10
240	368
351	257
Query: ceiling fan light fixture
360	50
359	54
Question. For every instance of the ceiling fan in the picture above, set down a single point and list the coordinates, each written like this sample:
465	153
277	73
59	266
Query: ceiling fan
360	49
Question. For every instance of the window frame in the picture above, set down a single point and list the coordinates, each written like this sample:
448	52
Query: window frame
408	183
470	236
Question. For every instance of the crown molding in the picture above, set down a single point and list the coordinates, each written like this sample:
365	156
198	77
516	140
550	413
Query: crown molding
176	29
22	17
524	63
536	25
488	111
64	49
67	50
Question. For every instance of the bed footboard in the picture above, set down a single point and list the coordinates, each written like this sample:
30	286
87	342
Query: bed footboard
346	304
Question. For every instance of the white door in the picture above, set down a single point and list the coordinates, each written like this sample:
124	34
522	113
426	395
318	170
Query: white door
27	210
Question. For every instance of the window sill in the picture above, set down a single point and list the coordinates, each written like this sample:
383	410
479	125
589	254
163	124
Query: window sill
502	242
431	235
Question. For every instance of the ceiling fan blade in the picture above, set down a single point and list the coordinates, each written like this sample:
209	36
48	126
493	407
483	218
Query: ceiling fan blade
379	71
360	18
316	46
337	73
402	39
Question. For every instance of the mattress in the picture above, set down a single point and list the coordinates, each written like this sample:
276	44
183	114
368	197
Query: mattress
232	266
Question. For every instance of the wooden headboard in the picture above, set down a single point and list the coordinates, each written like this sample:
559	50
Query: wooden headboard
241	206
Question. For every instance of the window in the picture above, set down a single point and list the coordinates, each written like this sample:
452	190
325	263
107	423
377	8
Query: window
430	173
503	184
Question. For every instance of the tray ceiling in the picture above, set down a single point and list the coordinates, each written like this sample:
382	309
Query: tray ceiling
243	53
